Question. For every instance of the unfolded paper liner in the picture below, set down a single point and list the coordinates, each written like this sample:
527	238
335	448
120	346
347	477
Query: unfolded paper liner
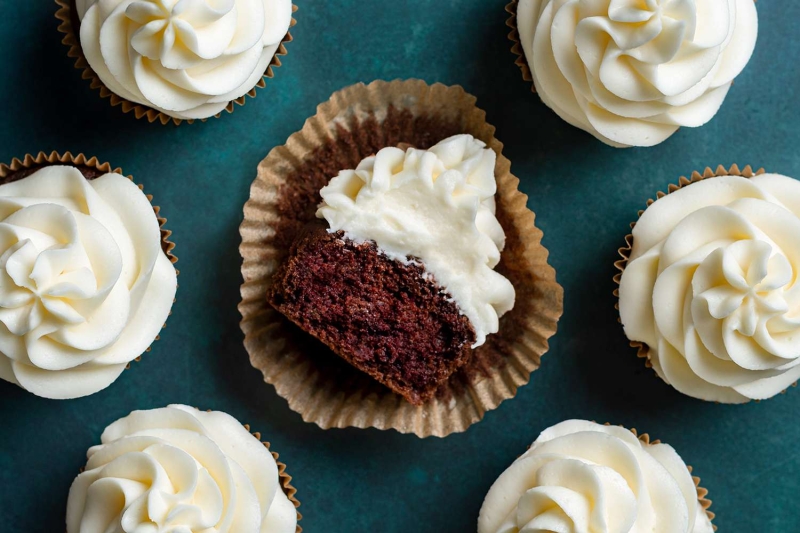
72	40
318	384
516	46
284	478
702	494
42	159
642	350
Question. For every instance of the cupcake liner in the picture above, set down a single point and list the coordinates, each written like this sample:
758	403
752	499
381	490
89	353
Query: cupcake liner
702	494
355	123
642	350
516	46
68	24
284	477
91	168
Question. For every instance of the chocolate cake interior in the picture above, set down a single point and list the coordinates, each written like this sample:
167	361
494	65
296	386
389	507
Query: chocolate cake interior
386	318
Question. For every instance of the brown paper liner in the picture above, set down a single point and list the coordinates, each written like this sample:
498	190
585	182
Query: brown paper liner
72	40
702	494
642	350
91	168
355	123
516	46
285	479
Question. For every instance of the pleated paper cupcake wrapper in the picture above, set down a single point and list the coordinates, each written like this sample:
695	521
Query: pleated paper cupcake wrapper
68	26
642	350
284	478
19	168
516	46
355	123
702	494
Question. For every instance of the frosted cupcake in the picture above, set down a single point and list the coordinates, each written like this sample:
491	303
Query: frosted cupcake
180	469
583	477
399	280
391	229
632	72
176	59
709	292
86	275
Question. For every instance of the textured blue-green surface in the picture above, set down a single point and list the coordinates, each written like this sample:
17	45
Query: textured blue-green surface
584	195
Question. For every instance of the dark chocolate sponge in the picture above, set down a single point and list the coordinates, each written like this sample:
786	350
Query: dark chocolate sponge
384	317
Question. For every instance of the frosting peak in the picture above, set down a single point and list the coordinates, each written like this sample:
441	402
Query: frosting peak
711	287
436	206
185	58
581	477
84	284
631	72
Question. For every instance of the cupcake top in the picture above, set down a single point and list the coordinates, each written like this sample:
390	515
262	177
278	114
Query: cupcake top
178	469
631	72
433	206
583	477
185	58
85	286
711	287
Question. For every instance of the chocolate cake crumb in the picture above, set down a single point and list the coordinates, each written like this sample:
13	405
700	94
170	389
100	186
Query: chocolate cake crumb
387	318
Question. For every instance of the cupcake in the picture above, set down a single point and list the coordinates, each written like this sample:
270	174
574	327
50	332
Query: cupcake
391	229
632	72
176	60
399	280
709	285
86	275
180	469
579	476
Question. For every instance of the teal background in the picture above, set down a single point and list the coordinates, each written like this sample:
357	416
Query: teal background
584	194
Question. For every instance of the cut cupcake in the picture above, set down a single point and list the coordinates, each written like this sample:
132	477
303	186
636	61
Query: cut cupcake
399	279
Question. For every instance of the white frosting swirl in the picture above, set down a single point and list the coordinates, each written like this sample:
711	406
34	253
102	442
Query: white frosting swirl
185	58
436	206
581	477
84	284
712	287
631	72
179	470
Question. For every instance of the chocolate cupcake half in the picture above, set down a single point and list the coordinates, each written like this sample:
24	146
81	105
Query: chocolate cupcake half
399	281
283	256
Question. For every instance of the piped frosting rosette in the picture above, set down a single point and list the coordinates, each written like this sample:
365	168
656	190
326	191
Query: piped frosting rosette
85	286
179	470
187	59
711	287
631	72
583	477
